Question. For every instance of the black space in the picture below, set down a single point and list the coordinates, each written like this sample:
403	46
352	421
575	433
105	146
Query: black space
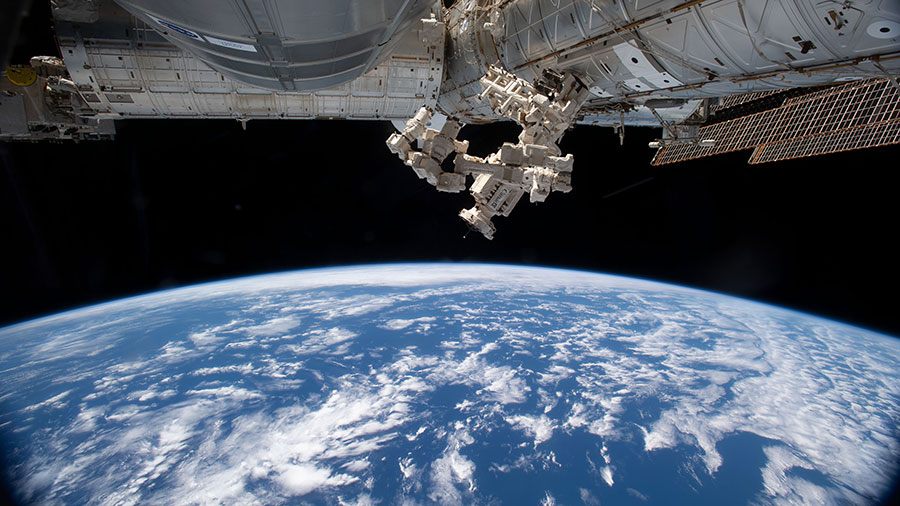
174	202
170	203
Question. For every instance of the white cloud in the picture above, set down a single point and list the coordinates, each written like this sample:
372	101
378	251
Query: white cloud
237	368
538	427
274	327
498	383
55	402
400	324
637	494
548	499
150	394
305	478
331	341
208	338
230	391
361	500
606	474
588	497
356	465
407	467
449	471
555	374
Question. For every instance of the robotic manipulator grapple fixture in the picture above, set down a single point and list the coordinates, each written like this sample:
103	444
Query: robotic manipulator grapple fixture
532	165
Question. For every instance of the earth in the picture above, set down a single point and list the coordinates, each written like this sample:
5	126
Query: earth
448	384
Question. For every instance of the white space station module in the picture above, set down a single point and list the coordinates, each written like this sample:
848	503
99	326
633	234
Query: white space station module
786	78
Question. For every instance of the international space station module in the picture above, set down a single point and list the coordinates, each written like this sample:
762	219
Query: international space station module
786	78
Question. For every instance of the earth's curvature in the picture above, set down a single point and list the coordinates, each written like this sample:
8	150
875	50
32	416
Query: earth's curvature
447	384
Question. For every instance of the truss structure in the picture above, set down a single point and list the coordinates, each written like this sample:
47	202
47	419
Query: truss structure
856	115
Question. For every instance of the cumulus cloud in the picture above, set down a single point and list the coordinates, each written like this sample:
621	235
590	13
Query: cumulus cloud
451	477
305	478
498	383
331	341
538	427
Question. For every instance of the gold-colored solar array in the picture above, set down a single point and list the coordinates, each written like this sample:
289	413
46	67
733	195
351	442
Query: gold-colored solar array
742	98
856	115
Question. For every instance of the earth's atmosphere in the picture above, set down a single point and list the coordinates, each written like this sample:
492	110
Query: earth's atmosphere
449	384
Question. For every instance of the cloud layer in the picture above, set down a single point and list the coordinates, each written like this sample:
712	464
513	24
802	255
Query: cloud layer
439	384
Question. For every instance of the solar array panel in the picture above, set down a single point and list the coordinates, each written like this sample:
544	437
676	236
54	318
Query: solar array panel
856	115
737	134
742	98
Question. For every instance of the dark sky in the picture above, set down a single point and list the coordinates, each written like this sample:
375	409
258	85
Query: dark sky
170	203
